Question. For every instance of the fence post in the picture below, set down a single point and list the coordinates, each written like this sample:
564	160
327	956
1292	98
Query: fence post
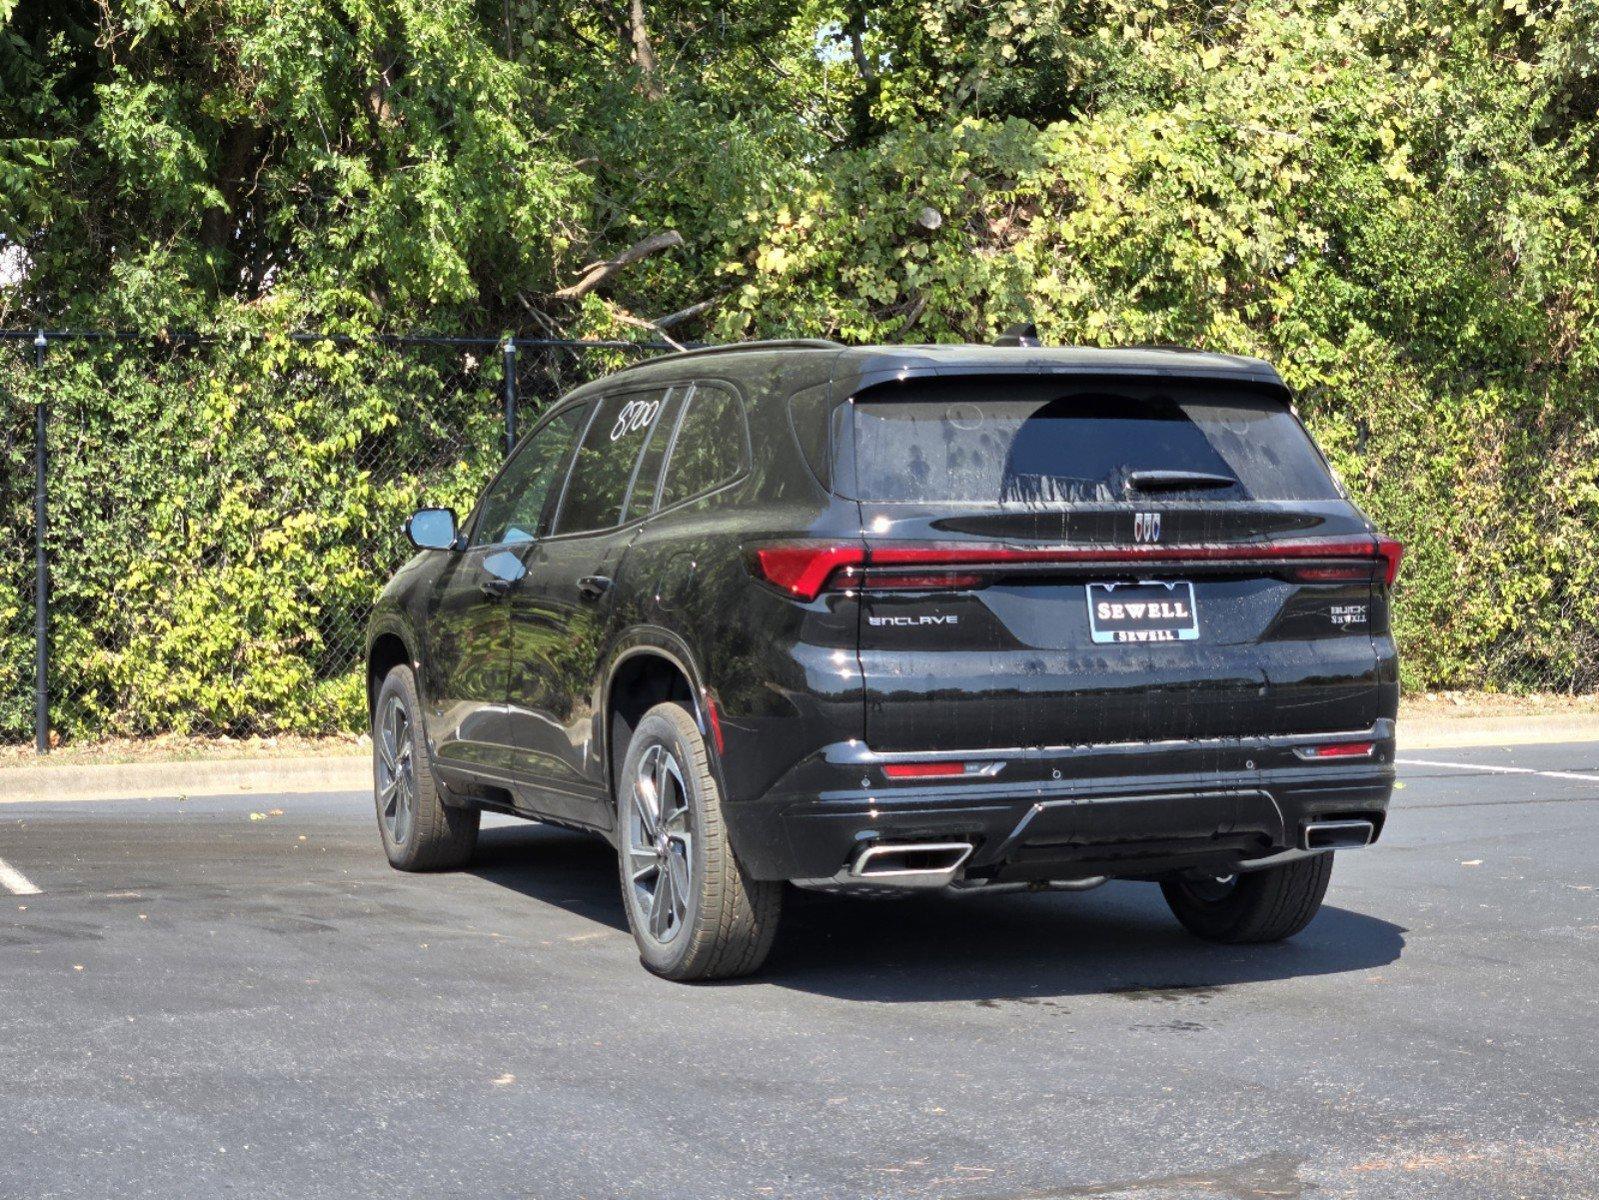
509	366
41	569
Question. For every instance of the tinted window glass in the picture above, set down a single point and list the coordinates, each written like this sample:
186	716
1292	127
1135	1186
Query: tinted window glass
649	468
1038	443
709	447
809	411
517	507
604	463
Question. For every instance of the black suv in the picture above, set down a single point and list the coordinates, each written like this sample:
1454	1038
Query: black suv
887	618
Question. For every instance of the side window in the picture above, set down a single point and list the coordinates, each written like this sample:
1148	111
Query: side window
649	467
809	410
604	464
517	505
708	450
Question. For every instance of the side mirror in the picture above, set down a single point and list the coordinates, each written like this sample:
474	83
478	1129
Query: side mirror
432	528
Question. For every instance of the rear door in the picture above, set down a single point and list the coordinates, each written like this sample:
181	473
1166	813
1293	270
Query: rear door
1053	561
561	614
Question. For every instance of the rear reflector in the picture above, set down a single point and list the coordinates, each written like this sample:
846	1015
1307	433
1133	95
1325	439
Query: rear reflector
715	722
923	770
1338	750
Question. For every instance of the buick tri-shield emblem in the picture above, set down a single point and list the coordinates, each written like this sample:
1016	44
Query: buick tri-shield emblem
1146	527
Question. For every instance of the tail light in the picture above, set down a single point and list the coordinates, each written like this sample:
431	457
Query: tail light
1390	552
920	581
805	569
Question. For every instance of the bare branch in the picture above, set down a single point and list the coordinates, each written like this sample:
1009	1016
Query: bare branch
597	273
683	314
627	318
912	315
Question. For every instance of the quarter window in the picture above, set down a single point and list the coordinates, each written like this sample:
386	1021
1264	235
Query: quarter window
708	450
649	468
604	464
517	507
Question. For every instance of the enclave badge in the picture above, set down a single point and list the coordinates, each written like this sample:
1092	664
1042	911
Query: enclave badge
1146	527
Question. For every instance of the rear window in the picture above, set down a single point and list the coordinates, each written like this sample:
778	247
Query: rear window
1041	443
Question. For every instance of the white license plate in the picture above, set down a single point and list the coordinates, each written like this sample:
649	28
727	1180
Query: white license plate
1142	612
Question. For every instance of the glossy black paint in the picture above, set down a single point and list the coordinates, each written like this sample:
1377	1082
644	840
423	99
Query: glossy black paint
532	658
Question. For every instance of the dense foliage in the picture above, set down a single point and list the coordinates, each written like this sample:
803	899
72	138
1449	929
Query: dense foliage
1394	201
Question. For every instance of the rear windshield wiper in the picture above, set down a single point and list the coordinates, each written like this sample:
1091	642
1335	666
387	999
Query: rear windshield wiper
1176	481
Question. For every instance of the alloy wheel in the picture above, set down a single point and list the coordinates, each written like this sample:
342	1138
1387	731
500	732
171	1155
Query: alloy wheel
396	772
660	844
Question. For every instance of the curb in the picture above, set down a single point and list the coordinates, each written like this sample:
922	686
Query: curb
1430	732
150	781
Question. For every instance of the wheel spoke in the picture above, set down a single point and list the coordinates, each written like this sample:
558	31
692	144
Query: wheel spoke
385	737
389	794
643	862
646	796
395	732
677	872
644	803
661	778
660	904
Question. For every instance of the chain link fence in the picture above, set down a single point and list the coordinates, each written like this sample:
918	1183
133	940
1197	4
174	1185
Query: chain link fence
220	514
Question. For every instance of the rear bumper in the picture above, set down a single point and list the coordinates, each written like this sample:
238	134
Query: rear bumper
1126	810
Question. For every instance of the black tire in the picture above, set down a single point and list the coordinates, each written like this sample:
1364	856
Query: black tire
1257	906
727	921
420	832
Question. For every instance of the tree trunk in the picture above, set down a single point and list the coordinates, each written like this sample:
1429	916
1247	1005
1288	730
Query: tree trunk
643	52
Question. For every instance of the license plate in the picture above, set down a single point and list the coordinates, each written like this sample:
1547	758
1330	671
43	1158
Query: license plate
1142	612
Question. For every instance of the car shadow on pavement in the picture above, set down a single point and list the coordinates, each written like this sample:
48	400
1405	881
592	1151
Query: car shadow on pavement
1117	940
574	871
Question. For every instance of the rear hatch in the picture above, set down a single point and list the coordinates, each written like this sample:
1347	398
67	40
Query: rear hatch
1053	561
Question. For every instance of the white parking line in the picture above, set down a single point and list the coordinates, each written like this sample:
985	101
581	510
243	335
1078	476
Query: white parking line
1454	766
15	882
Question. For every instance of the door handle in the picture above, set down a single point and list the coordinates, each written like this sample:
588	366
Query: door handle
500	573
592	587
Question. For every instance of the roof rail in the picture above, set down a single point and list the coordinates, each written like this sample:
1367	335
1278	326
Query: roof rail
732	347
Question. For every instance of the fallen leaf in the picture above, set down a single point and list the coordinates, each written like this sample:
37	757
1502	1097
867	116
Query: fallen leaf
1472	862
505	1080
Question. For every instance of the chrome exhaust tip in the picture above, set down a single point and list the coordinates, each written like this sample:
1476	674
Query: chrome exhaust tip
1337	835
910	864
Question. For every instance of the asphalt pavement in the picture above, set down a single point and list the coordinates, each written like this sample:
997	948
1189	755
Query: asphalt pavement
238	996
